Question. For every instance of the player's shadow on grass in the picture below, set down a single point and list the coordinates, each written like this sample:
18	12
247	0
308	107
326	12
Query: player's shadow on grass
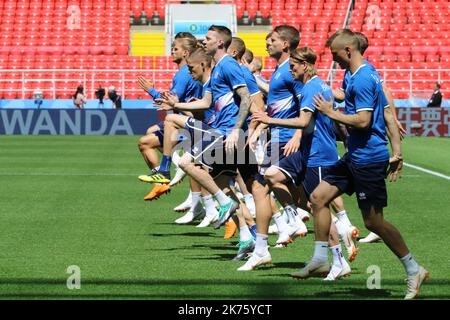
356	292
188	234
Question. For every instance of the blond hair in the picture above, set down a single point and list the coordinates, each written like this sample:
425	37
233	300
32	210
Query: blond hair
308	55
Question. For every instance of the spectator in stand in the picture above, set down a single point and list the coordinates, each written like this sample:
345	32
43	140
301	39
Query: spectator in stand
436	97
100	94
79	98
114	97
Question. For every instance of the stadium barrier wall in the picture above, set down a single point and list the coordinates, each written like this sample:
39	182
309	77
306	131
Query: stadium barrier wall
78	122
68	104
426	122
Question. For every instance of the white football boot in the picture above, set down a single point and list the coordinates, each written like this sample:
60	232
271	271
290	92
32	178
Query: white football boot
370	238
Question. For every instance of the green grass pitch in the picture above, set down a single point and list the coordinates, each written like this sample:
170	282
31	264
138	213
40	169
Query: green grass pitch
76	200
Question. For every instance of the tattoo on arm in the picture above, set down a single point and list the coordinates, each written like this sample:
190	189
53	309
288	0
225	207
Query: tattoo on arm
244	107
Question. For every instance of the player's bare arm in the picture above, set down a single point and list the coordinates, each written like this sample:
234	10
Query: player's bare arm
396	161
390	99
244	108
339	95
298	123
264	87
171	101
361	120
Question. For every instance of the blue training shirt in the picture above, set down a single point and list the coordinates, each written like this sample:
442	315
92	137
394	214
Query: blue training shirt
252	86
184	86
348	74
226	76
282	101
365	93
319	146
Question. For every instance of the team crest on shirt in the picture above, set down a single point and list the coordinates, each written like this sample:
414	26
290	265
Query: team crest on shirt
277	75
216	74
362	196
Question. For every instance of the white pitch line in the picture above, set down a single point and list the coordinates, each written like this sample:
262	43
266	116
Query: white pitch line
434	173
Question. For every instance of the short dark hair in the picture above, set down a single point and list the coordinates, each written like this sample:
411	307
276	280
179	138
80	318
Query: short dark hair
348	35
239	45
363	42
224	33
200	55
248	55
438	85
289	34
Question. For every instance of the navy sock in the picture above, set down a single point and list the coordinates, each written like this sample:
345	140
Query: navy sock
165	164
253	231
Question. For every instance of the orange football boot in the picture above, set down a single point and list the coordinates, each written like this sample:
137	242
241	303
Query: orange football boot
157	191
230	229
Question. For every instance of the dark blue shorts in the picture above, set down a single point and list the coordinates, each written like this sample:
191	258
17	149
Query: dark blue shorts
312	178
160	133
273	154
247	165
292	167
208	149
366	181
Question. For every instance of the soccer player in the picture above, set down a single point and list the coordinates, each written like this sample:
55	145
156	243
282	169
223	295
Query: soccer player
186	88
339	95
363	168
282	103
318	152
228	92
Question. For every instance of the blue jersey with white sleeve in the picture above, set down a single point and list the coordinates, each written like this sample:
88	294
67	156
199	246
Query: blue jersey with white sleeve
365	93
348	74
183	85
252	86
318	146
282	101
226	76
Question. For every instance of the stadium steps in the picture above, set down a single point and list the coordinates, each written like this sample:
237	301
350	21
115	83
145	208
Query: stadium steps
148	44
256	42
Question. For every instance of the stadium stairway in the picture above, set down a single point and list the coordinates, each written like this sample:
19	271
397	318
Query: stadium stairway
148	44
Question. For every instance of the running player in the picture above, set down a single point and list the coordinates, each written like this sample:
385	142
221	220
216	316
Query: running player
227	90
340	96
282	103
363	168
308	166
186	88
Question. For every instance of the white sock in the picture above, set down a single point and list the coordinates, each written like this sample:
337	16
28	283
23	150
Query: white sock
244	233
341	228
250	203
320	251
337	255
176	158
342	216
222	198
210	205
280	222
261	244
189	197
411	266
196	196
